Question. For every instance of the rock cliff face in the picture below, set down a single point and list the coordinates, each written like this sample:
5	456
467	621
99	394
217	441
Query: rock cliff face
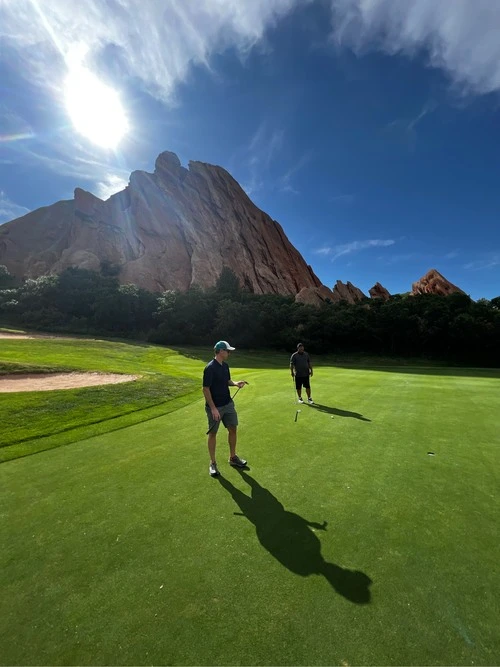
168	230
378	291
434	283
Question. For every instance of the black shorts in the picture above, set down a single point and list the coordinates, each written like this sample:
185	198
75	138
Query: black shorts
302	382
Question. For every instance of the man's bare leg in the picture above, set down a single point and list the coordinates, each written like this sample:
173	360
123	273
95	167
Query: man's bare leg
212	441
231	438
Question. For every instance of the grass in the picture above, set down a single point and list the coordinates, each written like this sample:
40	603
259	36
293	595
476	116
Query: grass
346	543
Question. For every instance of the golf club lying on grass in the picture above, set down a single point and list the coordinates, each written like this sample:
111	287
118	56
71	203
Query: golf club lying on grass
232	398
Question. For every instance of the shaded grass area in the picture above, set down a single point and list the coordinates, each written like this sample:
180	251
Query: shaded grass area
345	542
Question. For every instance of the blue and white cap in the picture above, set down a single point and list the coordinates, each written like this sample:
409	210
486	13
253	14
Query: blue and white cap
223	345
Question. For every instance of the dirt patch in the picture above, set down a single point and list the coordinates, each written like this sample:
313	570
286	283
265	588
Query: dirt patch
51	381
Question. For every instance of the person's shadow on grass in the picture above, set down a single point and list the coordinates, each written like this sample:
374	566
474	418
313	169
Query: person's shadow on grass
339	412
289	538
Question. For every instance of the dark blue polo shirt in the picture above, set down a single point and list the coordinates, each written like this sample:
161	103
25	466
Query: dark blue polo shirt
215	377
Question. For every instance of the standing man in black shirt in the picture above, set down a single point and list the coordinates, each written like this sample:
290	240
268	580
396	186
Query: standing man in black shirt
219	405
301	370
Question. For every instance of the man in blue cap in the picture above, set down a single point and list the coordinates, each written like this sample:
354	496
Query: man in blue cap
219	405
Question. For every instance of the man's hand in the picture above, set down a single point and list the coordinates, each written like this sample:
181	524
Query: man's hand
311	372
215	414
240	383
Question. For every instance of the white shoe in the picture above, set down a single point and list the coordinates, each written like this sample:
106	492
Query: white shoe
300	401
310	401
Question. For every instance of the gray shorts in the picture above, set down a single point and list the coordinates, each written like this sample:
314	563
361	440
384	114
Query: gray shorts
228	417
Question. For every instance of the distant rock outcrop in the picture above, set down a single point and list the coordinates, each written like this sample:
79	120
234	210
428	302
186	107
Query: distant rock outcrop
315	296
434	283
378	291
347	292
171	229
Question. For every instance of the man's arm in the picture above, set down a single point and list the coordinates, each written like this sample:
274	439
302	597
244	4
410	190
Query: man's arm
292	367
310	365
237	383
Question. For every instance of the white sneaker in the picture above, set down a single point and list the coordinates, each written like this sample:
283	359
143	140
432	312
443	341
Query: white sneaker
300	401
310	401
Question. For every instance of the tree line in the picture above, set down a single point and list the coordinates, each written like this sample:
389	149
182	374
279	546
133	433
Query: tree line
451	328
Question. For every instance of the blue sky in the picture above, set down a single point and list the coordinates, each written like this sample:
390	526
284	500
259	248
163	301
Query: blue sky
369	129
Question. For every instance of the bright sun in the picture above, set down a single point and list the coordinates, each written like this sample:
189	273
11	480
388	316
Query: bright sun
94	108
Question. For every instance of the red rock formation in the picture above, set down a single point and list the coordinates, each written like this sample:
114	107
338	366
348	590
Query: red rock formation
434	283
348	292
378	291
167	230
315	296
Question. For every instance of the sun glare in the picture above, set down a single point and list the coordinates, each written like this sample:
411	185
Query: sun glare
94	108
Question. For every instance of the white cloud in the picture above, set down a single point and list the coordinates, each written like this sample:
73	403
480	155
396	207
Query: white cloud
9	210
154	40
354	246
157	41
109	186
458	36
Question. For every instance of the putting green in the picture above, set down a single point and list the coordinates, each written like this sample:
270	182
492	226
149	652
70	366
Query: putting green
345	542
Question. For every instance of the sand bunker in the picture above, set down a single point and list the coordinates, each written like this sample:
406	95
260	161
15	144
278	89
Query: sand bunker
14	335
51	381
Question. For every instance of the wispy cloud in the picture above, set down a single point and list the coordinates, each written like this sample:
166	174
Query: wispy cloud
490	261
154	41
399	258
63	157
405	128
354	246
286	180
460	37
452	254
262	150
341	199
9	210
263	155
109	186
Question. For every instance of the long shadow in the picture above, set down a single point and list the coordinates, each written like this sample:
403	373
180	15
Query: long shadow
340	413
288	538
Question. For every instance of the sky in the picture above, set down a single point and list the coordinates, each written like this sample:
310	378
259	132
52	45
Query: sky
369	129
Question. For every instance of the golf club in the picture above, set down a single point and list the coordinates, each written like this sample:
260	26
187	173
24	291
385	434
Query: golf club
294	399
